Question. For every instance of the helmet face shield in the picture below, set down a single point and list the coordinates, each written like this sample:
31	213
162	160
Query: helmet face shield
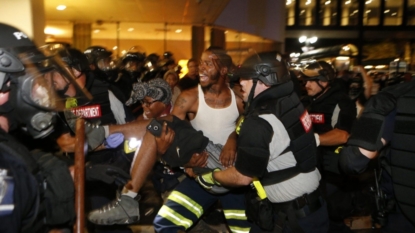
132	66
106	64
41	75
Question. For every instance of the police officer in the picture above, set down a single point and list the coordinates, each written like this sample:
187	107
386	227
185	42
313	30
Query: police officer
332	113
385	132
276	151
331	110
104	108
101	63
153	69
36	191
132	69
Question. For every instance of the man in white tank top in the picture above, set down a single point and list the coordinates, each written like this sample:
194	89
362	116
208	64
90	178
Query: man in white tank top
212	108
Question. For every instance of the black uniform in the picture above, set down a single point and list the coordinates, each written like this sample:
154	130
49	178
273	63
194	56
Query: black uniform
389	115
98	111
333	109
254	158
37	185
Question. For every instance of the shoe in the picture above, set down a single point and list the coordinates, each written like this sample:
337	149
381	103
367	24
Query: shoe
123	210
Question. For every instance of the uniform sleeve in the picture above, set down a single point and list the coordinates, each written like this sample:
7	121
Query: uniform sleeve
253	147
347	114
117	108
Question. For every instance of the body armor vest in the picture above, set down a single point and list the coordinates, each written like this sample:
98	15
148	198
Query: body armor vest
403	154
286	106
99	91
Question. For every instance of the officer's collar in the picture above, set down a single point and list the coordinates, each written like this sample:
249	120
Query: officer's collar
273	93
331	89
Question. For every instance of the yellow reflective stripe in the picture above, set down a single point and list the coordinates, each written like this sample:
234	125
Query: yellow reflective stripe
174	217
186	202
235	214
239	229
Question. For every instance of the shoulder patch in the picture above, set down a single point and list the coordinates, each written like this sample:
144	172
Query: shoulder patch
306	121
317	118
88	112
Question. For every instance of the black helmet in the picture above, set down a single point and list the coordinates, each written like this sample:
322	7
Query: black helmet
168	55
75	58
269	67
32	99
94	53
133	56
132	63
319	70
151	61
13	43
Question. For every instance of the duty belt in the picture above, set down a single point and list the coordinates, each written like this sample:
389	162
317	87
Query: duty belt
311	201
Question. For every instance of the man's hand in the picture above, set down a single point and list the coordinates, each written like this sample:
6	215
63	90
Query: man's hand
228	154
164	141
189	172
206	180
198	160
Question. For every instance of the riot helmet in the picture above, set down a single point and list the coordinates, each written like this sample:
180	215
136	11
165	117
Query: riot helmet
26	76
319	70
103	65
269	67
167	55
94	53
74	59
151	61
132	62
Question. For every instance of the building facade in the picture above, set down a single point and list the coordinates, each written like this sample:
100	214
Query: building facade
381	30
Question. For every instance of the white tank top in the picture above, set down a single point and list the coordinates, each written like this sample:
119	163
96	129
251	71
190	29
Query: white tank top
215	123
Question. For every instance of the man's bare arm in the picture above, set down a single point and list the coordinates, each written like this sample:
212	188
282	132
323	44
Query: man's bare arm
232	178
185	103
333	137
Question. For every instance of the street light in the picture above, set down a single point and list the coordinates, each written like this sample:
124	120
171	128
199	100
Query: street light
307	41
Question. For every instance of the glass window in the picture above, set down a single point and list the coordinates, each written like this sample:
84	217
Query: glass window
328	12
411	13
372	12
393	12
307	12
350	10
290	8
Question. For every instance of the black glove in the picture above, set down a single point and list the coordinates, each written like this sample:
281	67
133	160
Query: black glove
106	173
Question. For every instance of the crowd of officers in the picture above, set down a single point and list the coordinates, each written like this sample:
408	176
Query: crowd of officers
277	150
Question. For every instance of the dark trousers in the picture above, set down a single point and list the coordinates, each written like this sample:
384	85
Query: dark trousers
187	203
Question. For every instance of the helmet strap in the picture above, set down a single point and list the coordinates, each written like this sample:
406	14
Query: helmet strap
251	95
323	89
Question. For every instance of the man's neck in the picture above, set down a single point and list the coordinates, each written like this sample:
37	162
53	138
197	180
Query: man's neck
215	89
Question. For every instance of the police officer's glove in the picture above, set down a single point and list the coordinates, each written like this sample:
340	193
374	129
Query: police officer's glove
114	140
205	179
331	161
106	173
94	133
